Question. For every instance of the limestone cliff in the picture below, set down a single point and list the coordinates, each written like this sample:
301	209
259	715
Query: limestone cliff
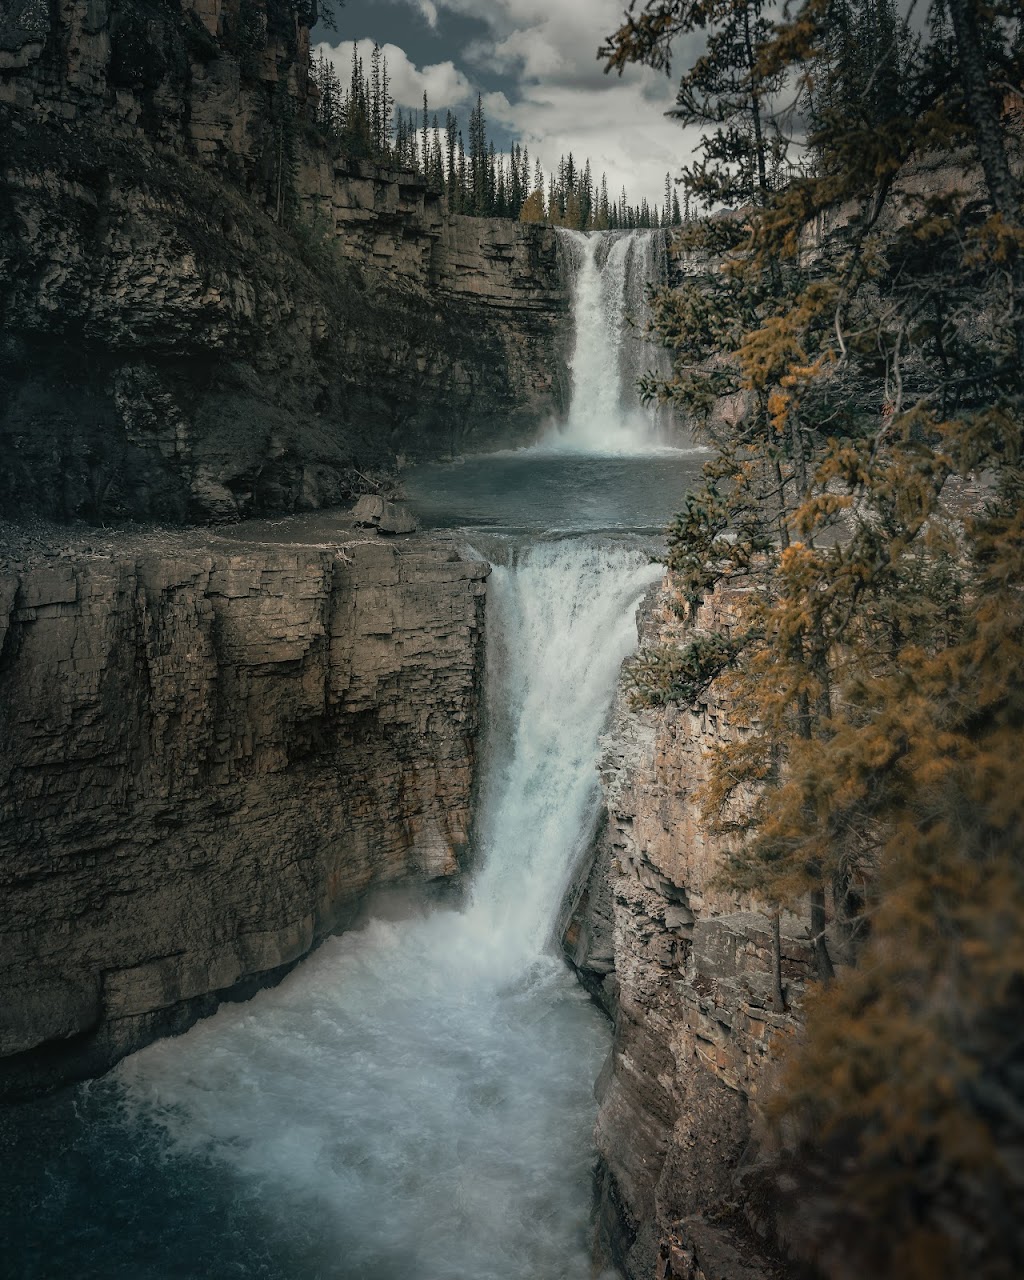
207	758
204	312
687	969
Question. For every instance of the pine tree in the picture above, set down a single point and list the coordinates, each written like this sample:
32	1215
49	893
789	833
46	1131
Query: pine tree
533	207
387	107
726	92
491	181
362	141
479	169
513	190
437	169
376	112
329	111
603	209
461	178
501	199
451	130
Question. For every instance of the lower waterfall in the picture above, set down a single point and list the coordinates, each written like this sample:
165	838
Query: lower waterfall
416	1099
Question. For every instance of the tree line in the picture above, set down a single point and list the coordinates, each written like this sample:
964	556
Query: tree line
866	516
362	120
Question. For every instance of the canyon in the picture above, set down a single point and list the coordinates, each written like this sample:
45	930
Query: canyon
215	752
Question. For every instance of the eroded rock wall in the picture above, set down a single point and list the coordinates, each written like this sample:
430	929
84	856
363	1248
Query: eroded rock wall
206	761
696	1031
206	313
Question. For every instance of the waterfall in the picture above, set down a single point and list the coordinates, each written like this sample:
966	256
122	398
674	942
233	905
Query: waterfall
562	617
416	1099
610	273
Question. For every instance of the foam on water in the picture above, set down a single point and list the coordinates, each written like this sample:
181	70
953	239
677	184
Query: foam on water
417	1098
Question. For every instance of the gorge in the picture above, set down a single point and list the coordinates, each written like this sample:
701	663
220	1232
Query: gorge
170	351
277	756
418	1093
452	826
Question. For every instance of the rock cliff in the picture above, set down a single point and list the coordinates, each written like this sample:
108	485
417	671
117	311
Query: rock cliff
204	312
208	756
686	968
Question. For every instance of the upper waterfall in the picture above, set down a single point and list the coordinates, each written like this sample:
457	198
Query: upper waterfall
610	273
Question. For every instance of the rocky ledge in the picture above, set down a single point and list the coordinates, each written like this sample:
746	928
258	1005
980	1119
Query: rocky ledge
210	751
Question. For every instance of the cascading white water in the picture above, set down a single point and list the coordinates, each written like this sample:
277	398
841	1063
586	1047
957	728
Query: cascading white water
610	273
416	1099
566	615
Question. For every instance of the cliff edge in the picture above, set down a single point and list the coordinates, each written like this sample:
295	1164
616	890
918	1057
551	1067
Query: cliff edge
685	968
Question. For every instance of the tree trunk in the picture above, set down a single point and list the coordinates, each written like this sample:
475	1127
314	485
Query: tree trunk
983	110
280	156
778	995
821	956
783	514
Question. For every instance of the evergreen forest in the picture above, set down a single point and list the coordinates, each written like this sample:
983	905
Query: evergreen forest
859	535
361	120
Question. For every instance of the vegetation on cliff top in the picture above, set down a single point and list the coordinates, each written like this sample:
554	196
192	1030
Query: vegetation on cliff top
362	120
866	516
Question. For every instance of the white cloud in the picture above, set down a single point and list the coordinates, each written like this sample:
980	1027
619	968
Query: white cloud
526	52
538	38
498	108
443	83
566	102
429	11
623	135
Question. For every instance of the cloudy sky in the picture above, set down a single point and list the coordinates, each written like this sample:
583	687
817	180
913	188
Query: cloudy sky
535	63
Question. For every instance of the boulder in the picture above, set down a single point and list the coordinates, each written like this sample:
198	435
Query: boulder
368	510
372	511
397	519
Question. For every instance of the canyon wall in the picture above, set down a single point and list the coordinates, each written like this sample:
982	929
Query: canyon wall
205	312
685	969
207	758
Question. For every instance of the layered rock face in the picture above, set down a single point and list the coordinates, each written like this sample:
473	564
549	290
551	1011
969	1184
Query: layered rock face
207	758
204	314
687	969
